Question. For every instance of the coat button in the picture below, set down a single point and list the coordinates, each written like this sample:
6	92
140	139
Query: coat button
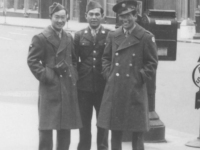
130	65
127	75
117	74
94	59
117	64
94	51
116	54
133	54
70	75
61	76
93	66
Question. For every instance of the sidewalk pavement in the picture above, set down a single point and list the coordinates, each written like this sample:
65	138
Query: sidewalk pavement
71	26
175	140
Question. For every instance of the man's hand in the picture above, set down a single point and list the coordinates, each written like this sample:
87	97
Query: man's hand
61	68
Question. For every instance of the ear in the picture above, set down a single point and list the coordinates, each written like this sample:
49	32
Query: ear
102	15
86	16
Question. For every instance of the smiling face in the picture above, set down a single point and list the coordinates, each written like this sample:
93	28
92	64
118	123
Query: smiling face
128	20
59	19
94	17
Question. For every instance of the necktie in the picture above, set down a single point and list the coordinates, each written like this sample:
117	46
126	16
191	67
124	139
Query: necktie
126	33
93	33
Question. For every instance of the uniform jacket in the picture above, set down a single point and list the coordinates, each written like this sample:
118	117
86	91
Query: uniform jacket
89	52
58	104
128	63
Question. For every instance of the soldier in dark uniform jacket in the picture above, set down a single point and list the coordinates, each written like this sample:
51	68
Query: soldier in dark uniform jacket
89	45
50	60
129	62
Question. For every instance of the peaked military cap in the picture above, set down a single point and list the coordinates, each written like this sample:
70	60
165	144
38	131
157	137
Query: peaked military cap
55	7
92	5
125	6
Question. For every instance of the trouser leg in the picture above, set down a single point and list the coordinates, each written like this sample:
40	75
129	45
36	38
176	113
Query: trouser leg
85	107
116	140
102	134
45	140
63	139
102	139
138	141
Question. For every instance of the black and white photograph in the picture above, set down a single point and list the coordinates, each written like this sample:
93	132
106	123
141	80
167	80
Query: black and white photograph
99	74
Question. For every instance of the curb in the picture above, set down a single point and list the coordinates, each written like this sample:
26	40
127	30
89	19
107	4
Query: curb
71	30
25	26
189	41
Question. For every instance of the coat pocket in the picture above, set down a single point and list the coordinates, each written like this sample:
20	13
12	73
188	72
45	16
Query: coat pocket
49	75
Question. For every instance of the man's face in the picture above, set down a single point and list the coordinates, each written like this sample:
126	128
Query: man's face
94	17
128	20
59	19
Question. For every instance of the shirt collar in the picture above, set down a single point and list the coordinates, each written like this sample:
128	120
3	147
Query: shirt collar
130	30
59	33
96	30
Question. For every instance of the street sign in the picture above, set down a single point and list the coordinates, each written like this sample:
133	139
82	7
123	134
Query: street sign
196	80
196	75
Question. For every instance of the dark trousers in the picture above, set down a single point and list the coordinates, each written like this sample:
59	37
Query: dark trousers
46	139
88	100
137	140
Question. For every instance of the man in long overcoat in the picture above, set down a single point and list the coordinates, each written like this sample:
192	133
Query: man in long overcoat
89	46
50	60
129	62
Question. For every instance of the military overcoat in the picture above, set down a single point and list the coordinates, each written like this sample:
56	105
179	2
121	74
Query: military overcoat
58	103
128	63
90	51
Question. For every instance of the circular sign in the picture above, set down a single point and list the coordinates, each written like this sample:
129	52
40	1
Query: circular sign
196	75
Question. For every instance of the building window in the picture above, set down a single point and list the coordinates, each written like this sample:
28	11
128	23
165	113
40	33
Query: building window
21	8
109	6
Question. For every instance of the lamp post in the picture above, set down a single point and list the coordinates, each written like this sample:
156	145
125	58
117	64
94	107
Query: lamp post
197	18
4	10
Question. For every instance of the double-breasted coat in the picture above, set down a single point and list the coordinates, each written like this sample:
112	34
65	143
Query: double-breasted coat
128	63
90	51
58	103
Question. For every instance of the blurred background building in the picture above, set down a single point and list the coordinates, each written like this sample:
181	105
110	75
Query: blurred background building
185	9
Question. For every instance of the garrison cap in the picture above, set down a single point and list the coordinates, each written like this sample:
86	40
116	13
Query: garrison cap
55	7
92	5
125	6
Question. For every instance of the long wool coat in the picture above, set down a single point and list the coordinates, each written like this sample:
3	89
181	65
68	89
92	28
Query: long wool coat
58	104
128	63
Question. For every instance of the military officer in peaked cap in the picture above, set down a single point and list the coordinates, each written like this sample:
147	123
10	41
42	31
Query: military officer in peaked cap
129	62
50	60
89	45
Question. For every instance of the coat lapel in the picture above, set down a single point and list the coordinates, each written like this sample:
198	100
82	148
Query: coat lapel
133	38
119	36
51	36
101	34
65	41
87	35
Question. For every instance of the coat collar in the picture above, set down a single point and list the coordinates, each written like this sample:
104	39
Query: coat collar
87	34
133	38
52	37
